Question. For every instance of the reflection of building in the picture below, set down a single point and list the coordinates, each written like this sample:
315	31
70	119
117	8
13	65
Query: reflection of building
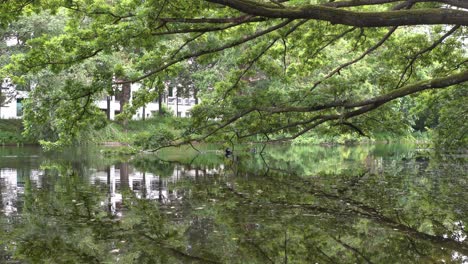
145	185
12	183
116	179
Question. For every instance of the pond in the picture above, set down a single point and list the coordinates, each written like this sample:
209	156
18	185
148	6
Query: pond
311	204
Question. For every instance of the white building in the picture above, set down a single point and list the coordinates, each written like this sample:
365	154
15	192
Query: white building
12	108
11	101
179	106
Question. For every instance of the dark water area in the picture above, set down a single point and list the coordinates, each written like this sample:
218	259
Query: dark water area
361	204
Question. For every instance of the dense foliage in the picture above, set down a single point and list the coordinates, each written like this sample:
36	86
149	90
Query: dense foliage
265	70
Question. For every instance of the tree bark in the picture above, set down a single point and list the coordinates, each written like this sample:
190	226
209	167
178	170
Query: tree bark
435	16
126	91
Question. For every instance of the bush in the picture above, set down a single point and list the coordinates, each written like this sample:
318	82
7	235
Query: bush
153	140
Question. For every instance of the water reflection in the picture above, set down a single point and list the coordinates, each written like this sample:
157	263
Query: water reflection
368	204
144	185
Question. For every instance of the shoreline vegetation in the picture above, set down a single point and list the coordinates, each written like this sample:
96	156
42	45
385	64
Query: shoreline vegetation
11	133
142	134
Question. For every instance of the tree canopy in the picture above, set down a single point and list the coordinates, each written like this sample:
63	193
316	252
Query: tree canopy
266	70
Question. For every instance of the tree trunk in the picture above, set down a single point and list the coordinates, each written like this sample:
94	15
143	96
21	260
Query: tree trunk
160	97
126	91
108	112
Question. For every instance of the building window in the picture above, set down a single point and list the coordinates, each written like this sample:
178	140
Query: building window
136	185
19	107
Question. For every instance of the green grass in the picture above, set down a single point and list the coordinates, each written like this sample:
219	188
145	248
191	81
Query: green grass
137	130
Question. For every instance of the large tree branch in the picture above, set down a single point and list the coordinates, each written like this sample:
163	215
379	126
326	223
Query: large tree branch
363	107
209	51
367	52
370	50
227	20
262	52
356	109
436	16
414	88
397	93
420	53
353	3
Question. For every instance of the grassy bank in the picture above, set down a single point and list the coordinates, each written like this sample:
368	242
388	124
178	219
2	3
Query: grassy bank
350	139
142	133
11	133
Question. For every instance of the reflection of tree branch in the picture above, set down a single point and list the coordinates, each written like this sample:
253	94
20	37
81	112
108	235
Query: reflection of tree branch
178	253
352	249
361	210
354	181
373	214
330	259
415	248
259	249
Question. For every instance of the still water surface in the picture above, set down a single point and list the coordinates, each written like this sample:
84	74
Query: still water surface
365	204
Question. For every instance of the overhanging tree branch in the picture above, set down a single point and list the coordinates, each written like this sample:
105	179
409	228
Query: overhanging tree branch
357	108
420	53
237	42
367	52
434	16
